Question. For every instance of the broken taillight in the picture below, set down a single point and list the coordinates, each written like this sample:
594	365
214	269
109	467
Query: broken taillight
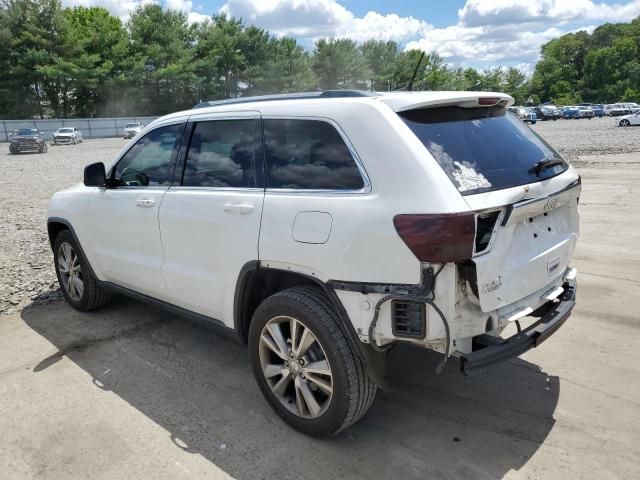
438	238
485	222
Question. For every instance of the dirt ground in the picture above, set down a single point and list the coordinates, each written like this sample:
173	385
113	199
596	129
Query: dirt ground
134	392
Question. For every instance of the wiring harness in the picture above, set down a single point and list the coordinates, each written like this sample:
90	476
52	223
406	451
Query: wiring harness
425	294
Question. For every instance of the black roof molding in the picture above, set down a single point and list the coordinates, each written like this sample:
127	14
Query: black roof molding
287	96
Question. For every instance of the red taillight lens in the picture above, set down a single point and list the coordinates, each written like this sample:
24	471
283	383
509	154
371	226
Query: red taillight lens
438	238
488	101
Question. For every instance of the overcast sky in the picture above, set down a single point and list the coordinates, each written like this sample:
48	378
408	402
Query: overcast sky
477	33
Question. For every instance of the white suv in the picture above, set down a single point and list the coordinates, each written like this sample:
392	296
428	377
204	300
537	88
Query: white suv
324	228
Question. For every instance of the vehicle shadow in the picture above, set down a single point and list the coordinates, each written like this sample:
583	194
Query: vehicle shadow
197	384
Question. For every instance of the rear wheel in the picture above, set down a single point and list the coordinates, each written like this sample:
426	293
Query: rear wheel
306	367
79	286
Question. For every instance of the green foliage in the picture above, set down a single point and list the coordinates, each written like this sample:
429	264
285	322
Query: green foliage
602	67
83	62
338	63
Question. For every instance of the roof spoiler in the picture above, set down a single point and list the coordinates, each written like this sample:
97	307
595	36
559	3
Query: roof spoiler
415	101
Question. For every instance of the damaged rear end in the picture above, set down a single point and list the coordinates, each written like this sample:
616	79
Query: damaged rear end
507	259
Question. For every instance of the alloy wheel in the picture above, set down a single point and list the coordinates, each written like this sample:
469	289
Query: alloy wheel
70	271
296	367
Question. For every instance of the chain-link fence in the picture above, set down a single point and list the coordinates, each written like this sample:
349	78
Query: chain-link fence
90	127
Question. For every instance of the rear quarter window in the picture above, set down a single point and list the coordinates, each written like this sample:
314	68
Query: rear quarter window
482	149
308	155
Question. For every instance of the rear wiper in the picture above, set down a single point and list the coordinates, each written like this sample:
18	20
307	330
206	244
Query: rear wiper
542	165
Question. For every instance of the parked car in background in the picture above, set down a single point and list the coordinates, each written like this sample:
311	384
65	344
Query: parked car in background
630	106
570	112
616	109
628	120
248	214
66	135
585	112
27	140
526	114
132	129
597	108
546	112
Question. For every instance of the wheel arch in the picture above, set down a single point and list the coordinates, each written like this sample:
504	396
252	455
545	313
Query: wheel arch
55	225
256	282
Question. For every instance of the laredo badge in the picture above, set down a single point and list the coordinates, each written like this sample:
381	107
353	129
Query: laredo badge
492	286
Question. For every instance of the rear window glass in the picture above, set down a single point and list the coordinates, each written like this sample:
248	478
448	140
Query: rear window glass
482	149
308	155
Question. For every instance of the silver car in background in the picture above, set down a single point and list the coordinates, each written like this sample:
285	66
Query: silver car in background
526	114
68	135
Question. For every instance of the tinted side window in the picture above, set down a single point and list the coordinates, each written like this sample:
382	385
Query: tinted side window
308	154
222	153
150	162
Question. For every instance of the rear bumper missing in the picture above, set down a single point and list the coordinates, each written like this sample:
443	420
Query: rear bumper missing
490	350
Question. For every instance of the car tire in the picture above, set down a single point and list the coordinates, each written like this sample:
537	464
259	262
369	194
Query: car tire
625	123
533	122
340	396
77	281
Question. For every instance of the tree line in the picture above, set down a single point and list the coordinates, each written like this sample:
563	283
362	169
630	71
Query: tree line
601	67
84	62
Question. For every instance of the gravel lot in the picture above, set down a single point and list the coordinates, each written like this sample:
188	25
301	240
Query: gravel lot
131	391
589	137
26	262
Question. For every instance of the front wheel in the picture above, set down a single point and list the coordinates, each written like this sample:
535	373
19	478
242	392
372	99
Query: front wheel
625	123
306	367
44	148
79	286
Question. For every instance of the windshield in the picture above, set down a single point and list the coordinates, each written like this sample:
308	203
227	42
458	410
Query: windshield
65	130
132	125
27	131
482	149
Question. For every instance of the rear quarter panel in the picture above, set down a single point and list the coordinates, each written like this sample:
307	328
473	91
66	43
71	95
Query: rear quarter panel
363	244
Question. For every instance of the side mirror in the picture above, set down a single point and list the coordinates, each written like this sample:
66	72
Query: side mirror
95	175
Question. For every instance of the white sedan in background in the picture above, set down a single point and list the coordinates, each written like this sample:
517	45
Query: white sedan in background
628	120
66	135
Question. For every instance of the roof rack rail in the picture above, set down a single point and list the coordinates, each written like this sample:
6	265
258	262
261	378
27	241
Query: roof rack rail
287	96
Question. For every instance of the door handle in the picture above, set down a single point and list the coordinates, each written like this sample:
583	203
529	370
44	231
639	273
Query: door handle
145	202
238	207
